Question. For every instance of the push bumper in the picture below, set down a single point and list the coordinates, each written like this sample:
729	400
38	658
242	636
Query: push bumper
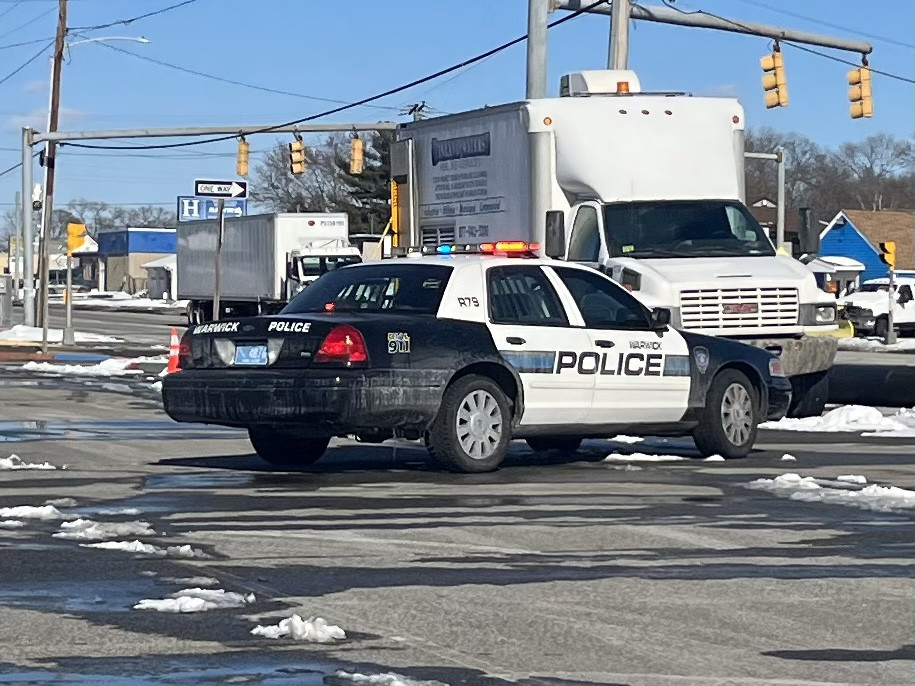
779	398
804	355
323	403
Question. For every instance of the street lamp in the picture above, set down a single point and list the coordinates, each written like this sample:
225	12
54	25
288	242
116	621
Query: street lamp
68	336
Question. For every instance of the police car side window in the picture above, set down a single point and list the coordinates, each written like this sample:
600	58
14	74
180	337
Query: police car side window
585	243
602	304
523	295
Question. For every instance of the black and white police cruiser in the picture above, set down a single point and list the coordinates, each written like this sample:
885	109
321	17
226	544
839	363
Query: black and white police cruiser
468	348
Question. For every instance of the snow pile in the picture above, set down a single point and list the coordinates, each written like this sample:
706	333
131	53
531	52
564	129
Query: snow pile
384	679
119	300
314	630
87	529
114	366
623	438
128	511
906	420
642	457
872	344
196	600
808	489
61	502
126	546
14	462
11	524
852	478
194	581
788	457
32	334
184	551
45	512
848	418
714	458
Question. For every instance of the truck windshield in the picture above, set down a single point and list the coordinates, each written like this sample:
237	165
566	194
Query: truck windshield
683	229
390	287
315	266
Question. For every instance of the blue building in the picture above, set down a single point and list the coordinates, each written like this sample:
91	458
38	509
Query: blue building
858	233
123	252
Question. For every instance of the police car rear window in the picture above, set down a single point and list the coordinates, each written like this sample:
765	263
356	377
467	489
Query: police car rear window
388	287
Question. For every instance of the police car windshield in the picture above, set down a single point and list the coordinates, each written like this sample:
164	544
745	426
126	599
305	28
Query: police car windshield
683	229
388	287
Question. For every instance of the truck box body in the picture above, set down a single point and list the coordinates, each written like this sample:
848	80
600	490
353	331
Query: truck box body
254	253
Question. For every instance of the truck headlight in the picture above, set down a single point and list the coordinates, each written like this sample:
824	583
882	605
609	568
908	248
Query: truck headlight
817	315
826	314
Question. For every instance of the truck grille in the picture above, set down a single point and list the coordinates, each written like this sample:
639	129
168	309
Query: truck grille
724	309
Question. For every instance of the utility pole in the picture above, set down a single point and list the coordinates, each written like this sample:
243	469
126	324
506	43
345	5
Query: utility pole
780	217
16	252
618	55
28	260
49	166
537	11
217	276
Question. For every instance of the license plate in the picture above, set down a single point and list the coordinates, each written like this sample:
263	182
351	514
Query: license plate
251	355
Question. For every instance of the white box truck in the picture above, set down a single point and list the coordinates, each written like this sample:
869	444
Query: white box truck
265	260
651	186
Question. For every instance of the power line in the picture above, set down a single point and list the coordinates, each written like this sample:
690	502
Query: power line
10	8
26	63
125	22
18	164
29	22
341	108
28	42
814	20
233	82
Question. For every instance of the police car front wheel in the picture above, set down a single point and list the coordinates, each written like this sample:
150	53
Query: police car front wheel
473	427
729	421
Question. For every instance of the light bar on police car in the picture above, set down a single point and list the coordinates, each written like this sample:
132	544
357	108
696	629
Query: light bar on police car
520	248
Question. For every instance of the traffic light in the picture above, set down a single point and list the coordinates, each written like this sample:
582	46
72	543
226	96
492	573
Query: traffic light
241	161
297	156
888	253
773	81
356	156
76	234
860	94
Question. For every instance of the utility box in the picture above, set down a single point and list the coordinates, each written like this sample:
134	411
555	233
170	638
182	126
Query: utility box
6	301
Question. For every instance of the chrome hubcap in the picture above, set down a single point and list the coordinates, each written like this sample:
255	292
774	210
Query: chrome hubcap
737	414
479	424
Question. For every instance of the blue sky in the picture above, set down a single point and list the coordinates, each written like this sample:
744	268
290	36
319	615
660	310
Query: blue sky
347	50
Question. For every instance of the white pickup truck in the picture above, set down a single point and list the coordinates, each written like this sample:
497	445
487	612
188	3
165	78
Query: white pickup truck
867	308
651	189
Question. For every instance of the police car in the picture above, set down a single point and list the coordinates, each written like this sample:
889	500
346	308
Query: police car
469	348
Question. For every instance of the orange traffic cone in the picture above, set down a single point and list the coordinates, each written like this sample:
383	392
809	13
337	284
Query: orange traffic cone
173	352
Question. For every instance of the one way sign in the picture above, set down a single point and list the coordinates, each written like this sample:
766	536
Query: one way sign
220	189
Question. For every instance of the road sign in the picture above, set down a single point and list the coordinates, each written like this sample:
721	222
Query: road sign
191	209
220	189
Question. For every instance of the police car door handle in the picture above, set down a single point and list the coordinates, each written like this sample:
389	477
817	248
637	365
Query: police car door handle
604	343
515	340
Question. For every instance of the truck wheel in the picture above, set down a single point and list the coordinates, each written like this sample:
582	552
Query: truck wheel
473	427
809	393
287	450
729	420
881	327
566	444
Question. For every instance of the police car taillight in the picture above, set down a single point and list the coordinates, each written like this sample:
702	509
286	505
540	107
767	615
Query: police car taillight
343	345
184	352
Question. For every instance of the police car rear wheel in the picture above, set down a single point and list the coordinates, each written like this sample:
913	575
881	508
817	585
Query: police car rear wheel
472	430
730	418
566	444
287	450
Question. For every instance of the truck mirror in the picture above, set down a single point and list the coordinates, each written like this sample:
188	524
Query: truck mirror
809	235
660	318
555	235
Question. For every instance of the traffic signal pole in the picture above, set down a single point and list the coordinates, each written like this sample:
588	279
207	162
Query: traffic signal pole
890	331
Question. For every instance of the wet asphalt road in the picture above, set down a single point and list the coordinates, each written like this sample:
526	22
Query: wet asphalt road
569	570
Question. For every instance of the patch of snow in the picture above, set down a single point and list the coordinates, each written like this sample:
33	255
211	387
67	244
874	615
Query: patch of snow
88	529
642	457
14	462
852	478
117	301
906	420
127	511
848	418
126	546
788	457
157	386
196	600
114	366
314	630
714	458
193	581
623	438
149	572
45	512
384	679
32	334
872	344
61	502
184	551
11	524
808	489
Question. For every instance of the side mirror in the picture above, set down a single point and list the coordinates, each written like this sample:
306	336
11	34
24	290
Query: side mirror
555	234
904	297
809	235
660	318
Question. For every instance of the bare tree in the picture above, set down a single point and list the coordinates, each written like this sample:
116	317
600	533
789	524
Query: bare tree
874	165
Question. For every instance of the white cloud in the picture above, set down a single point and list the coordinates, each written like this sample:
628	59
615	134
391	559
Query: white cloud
38	119
36	86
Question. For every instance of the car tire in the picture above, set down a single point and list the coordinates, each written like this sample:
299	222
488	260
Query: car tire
473	428
809	395
881	327
729	421
287	450
566	444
